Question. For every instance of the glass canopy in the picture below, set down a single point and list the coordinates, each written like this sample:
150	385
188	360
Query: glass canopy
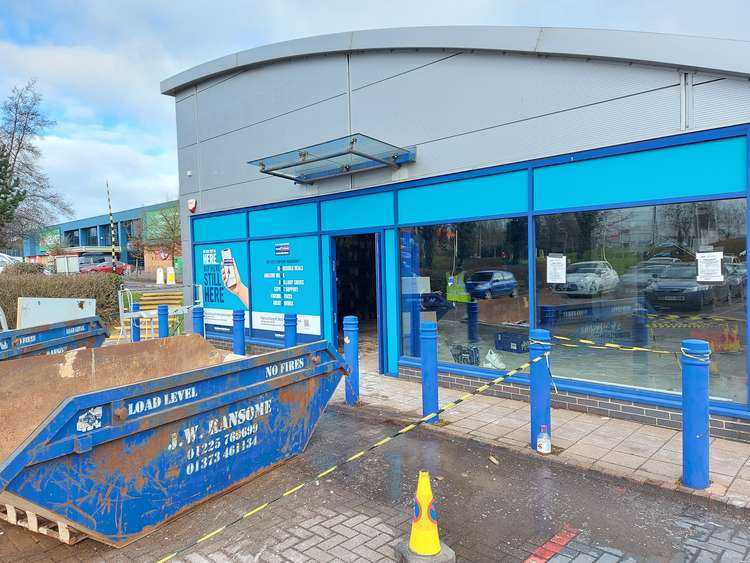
339	157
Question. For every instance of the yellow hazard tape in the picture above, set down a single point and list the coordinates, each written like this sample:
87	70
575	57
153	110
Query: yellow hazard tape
586	343
255	510
293	490
327	471
208	536
356	456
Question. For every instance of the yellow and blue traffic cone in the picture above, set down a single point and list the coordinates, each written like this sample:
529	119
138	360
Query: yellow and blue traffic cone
424	540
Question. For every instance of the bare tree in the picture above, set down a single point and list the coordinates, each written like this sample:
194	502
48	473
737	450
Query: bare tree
136	244
166	231
681	221
22	123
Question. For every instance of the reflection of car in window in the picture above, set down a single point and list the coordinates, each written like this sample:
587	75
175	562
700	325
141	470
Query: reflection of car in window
736	274
678	287
588	278
488	284
638	277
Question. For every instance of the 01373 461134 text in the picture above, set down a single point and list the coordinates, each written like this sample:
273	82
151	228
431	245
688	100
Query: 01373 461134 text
220	438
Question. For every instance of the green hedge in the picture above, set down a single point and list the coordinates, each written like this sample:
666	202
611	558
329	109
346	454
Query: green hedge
102	287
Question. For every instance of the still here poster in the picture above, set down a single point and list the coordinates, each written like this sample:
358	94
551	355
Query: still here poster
222	271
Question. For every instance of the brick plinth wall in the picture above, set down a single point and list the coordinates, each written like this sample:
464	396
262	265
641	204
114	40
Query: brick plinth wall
720	426
250	349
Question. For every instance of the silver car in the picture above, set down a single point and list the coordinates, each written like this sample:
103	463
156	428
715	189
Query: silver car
7	260
588	279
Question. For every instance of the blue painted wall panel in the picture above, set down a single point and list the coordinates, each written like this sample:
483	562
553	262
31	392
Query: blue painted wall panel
391	302
361	212
698	169
499	194
220	227
288	220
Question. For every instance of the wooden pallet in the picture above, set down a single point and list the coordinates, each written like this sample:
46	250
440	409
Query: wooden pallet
35	523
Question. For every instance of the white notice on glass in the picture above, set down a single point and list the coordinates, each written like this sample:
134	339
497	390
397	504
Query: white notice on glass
556	268
709	266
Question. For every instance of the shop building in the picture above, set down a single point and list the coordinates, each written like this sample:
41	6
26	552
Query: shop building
145	235
435	173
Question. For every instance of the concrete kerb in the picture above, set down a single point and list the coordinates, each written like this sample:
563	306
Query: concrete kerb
665	483
405	555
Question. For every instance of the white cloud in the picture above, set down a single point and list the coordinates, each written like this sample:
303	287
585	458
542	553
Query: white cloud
83	164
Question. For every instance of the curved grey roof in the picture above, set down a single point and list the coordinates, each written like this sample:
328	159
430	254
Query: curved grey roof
725	56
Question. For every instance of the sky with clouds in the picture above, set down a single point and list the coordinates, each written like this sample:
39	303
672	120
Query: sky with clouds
98	64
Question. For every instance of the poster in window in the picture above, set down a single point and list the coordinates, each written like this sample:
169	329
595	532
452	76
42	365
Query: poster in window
709	266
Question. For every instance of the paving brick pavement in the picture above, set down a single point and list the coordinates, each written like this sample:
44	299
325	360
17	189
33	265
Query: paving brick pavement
621	448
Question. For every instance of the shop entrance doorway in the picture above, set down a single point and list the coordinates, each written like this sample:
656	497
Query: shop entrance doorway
357	282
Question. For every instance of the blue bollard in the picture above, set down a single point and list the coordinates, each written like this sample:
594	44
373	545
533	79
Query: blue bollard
548	316
428	343
351	353
472	311
413	306
641	339
135	324
238	331
290	330
162	313
198	321
695	371
541	381
640	328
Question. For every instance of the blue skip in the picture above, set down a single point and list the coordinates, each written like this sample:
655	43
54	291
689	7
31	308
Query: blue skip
125	438
53	338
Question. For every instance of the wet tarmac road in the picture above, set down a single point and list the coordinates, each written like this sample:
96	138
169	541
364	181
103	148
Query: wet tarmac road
486	511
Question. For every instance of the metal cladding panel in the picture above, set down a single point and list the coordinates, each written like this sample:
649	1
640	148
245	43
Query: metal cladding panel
683	171
118	462
224	159
633	118
267	92
186	126
721	102
499	194
470	92
187	254
187	163
374	66
359	212
287	220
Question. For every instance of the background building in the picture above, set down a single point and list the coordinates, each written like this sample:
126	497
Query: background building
150	235
622	151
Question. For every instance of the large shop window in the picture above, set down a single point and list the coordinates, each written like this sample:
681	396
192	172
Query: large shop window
472	278
636	277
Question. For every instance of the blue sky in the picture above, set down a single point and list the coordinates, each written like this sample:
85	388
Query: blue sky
98	64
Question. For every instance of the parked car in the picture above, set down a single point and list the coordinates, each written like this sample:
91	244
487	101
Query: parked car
638	277
678	288
91	259
663	260
7	260
121	268
488	284
736	274
588	279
